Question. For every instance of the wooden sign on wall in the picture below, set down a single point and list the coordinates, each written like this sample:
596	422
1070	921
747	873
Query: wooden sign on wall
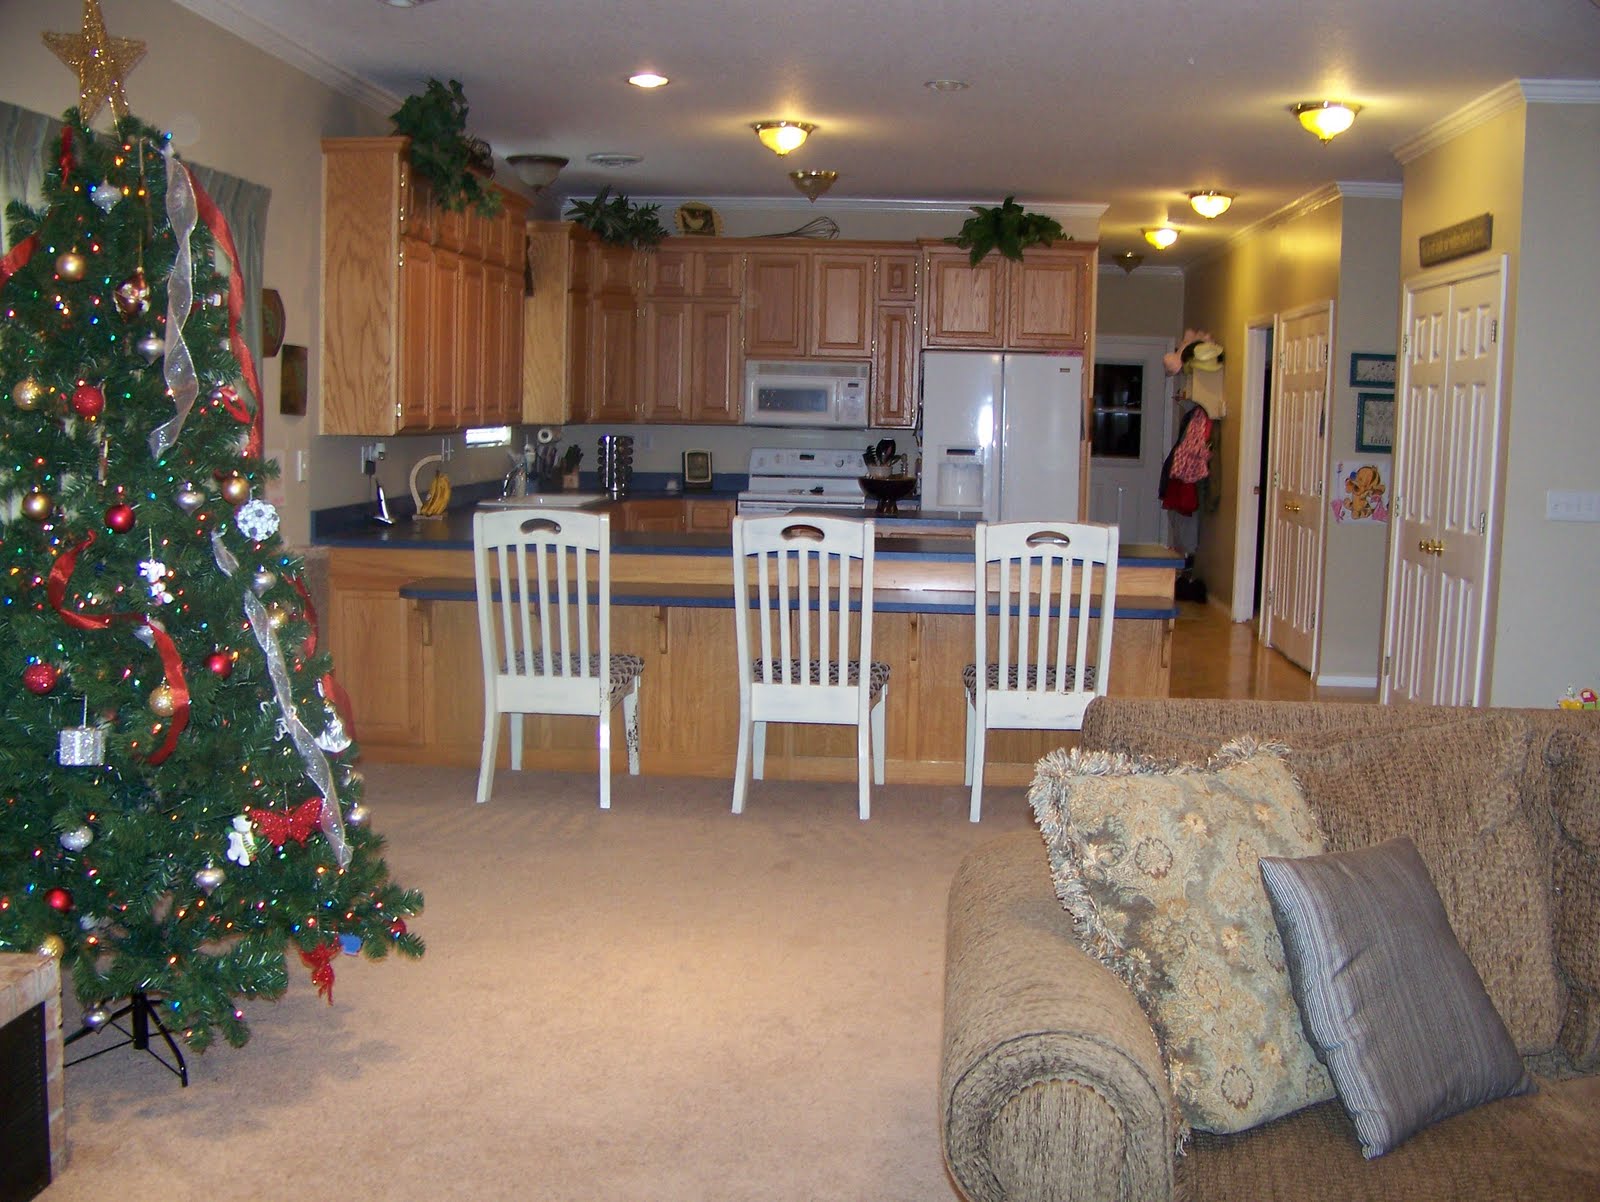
1457	241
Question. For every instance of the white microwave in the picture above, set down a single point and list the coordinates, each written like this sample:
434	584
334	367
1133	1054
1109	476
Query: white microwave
812	393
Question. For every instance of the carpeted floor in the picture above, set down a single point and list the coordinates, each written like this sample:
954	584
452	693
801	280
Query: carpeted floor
661	1002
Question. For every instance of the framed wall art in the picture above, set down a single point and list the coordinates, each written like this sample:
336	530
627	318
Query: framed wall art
271	322
292	382
1371	371
1374	422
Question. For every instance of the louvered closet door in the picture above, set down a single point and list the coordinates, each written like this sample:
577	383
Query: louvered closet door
1299	463
1437	620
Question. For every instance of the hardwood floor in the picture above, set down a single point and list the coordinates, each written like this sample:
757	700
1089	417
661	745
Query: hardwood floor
1215	657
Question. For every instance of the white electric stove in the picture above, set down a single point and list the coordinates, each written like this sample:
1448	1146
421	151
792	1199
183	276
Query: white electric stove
783	478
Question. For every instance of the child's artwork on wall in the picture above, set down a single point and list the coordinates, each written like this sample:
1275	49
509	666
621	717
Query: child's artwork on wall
1360	491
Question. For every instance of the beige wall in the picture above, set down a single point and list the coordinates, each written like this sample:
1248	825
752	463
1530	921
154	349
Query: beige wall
1145	303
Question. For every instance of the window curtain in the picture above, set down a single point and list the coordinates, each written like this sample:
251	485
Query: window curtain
28	143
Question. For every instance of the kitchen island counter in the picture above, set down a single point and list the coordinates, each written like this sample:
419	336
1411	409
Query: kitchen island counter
404	636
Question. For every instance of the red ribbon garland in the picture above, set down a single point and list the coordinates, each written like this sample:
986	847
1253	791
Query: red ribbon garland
320	961
218	225
171	662
65	159
332	691
279	826
17	258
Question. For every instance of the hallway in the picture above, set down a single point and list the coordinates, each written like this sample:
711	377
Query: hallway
1215	657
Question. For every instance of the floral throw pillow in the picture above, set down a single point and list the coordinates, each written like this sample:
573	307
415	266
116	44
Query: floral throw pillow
1158	864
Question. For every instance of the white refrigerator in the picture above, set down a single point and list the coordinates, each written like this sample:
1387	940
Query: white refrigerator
1001	434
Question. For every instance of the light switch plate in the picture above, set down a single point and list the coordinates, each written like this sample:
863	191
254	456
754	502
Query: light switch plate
1571	505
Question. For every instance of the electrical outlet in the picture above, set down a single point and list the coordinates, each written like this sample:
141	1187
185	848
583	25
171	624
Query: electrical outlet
302	466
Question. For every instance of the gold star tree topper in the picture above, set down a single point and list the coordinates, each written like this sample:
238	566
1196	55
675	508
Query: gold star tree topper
101	61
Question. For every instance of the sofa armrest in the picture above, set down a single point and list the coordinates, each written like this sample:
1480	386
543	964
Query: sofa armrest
1052	1085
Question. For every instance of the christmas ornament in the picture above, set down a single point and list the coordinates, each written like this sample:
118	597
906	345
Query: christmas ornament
78	838
40	678
101	61
333	738
241	841
70	265
263	579
52	946
257	520
151	347
350	945
220	664
163	701
88	401
27	394
397	928
357	815
58	899
105	195
189	498
209	877
37	505
277	616
80	747
133	295
235	489
279	826
120	517
96	1017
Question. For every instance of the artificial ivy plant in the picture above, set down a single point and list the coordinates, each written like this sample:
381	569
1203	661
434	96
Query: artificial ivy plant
617	220
1007	228
455	163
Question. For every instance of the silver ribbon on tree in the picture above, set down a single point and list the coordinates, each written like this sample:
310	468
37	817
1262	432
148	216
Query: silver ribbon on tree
277	667
182	215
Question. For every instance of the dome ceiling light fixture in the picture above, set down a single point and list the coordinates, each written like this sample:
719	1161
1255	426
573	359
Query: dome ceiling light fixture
1161	237
1210	202
1326	118
946	86
1127	260
614	159
402	3
813	183
536	170
781	137
648	79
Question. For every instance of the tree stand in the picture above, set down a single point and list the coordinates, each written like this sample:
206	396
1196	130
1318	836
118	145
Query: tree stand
142	1012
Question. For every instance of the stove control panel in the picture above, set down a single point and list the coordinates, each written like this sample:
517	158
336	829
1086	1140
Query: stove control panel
791	461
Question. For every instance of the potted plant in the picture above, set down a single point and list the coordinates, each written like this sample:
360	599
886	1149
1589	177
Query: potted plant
617	220
456	164
1007	228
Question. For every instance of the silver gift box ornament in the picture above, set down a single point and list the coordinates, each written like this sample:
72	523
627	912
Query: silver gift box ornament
82	746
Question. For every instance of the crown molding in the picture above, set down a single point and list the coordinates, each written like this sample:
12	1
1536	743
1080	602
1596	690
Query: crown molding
232	16
1507	96
1090	212
1301	206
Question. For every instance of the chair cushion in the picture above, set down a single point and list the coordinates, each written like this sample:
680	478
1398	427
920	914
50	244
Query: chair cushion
1391	1002
625	669
877	673
969	677
1157	863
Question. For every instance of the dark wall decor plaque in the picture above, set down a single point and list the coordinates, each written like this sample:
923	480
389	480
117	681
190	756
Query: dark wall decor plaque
1457	241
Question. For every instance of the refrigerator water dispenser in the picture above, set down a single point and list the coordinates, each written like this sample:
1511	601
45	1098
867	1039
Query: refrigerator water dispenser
961	479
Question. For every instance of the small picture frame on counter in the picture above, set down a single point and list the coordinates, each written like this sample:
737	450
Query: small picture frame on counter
696	470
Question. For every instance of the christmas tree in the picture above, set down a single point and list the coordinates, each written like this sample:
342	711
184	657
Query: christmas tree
178	809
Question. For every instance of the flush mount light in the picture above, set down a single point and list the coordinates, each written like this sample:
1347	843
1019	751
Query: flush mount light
781	137
648	79
1326	118
402	3
537	170
813	183
947	85
1161	237
1127	260
1210	203
614	159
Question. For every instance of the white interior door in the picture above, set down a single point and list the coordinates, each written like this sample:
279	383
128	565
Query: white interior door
1124	487
1295	481
1436	620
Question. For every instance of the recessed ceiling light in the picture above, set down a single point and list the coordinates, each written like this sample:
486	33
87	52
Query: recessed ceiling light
614	159
648	79
947	85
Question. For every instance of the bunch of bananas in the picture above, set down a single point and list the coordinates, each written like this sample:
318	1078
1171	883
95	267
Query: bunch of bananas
438	498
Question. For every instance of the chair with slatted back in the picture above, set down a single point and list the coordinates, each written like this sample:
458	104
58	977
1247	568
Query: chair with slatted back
803	660
544	623
1044	597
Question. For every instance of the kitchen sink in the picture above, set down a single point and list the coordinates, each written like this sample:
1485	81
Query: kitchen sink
546	500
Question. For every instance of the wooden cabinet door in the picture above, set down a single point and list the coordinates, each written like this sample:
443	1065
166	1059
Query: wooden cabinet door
894	366
664	361
965	305
841	304
709	517
656	516
414	358
614	269
503	348
377	641
472	367
669	273
775	304
718	275
441	337
897	278
1048	302
714	376
613	358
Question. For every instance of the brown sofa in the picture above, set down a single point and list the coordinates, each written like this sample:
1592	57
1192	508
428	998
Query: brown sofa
1052	1084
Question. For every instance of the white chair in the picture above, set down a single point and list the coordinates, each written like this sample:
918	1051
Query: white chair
1043	586
544	623
792	580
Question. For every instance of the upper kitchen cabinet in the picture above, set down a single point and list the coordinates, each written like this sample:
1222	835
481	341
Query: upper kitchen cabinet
555	322
841	305
1042	302
421	308
776	284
